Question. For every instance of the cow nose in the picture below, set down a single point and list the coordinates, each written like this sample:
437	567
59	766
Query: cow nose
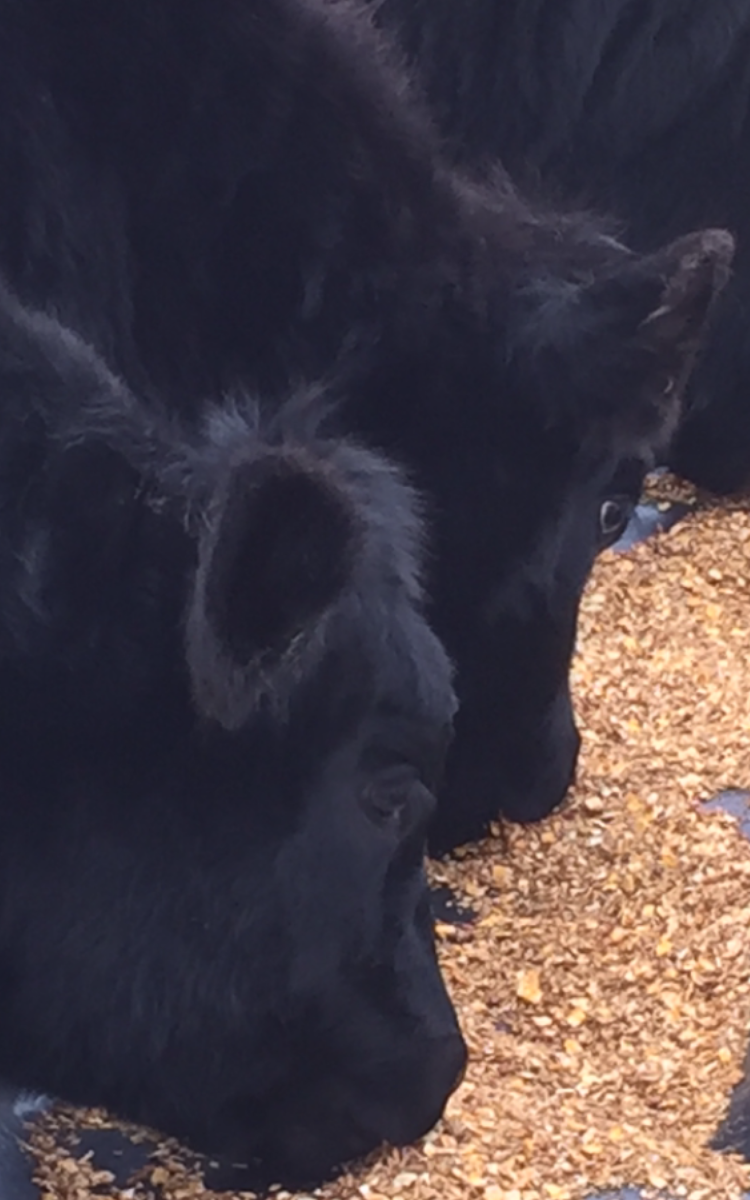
425	1083
554	769
444	1070
456	1058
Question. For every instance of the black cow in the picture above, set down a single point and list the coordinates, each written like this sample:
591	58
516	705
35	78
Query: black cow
640	109
217	192
223	717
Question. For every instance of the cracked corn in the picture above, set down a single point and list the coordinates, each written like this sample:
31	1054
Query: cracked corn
604	988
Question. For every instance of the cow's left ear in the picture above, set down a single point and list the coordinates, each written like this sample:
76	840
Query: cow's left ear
671	291
277	553
607	357
658	306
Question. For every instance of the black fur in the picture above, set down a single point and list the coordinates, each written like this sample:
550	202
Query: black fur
640	109
213	911
224	192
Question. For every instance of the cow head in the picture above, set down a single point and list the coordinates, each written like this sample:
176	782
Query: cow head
227	719
596	346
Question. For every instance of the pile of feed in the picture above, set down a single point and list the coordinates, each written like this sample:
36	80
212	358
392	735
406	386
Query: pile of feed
604	986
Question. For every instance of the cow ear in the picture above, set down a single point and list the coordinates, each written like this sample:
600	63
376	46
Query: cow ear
608	358
688	274
662	314
276	557
661	302
281	555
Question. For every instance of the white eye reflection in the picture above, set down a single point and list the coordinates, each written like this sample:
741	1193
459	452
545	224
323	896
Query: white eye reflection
614	515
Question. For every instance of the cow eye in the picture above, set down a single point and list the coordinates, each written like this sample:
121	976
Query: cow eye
614	515
397	800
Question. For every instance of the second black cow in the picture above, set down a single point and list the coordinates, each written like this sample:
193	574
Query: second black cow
228	192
